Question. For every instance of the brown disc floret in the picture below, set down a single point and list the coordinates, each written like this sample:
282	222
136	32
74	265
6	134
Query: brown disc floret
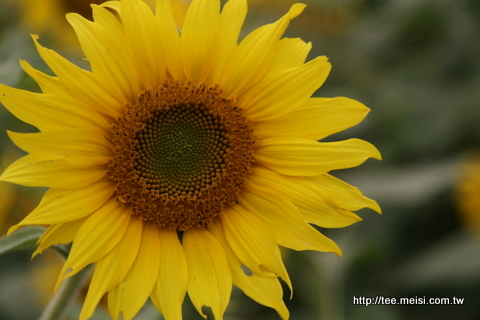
182	153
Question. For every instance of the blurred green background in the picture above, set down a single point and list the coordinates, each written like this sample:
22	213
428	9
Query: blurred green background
416	64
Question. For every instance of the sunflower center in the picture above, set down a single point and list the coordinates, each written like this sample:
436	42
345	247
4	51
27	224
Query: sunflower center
182	148
182	153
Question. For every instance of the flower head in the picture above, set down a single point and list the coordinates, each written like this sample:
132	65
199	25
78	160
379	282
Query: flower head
182	159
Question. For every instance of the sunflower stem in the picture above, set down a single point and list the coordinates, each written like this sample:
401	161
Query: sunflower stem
59	303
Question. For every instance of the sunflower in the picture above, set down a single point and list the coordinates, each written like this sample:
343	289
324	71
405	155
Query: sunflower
467	191
182	161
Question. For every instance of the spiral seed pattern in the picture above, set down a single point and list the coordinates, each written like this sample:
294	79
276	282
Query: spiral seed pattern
182	153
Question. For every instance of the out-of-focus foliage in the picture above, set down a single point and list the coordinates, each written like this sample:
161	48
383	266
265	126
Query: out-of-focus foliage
416	64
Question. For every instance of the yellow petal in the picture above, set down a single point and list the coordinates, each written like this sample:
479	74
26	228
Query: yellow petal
264	290
112	34
113	268
316	119
346	195
98	235
60	205
143	33
61	233
304	157
210	281
48	84
199	38
172	284
289	53
284	220
316	205
32	172
113	4
170	39
49	112
79	83
104	48
231	21
253	243
254	55
79	147
281	93
106	15
179	9
130	295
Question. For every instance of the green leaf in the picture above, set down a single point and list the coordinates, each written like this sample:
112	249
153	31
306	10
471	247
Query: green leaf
21	239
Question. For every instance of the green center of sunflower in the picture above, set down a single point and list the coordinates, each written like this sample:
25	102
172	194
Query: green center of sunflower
182	148
182	153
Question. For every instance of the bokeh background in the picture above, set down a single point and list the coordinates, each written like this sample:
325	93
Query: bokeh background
416	64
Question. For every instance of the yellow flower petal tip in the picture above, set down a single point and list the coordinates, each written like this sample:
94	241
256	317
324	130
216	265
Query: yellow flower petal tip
296	10
197	133
376	207
12	229
377	155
